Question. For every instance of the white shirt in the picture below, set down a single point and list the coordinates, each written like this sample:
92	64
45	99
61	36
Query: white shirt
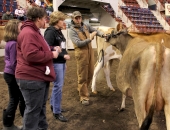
38	2
19	12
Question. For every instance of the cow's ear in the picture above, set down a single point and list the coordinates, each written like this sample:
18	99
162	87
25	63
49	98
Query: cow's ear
125	30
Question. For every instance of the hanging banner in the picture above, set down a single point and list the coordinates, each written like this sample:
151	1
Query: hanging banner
167	9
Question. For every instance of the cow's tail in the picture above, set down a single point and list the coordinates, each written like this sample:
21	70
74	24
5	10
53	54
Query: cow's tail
159	57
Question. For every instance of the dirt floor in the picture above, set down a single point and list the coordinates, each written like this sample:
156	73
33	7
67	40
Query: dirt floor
101	114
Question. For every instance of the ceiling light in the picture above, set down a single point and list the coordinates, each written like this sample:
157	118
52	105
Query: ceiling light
94	19
70	14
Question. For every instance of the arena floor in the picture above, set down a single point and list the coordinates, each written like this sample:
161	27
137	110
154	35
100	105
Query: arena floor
102	112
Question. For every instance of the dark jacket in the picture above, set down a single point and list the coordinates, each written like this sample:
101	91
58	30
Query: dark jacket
5	16
55	37
33	55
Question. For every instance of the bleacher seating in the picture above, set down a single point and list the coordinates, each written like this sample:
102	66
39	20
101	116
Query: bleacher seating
142	18
110	10
133	3
165	17
163	2
7	5
3	22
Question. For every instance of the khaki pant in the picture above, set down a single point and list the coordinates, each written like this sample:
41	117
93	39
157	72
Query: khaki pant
85	68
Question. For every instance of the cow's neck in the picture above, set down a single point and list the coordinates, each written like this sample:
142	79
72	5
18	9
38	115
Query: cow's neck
124	42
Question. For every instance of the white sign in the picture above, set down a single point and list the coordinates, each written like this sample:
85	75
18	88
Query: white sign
167	9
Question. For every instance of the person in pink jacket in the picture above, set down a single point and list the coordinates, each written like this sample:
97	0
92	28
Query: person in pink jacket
34	69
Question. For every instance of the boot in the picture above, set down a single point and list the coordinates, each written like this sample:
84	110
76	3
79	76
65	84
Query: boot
13	127
8	120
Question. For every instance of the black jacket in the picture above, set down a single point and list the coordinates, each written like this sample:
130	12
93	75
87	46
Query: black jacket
55	37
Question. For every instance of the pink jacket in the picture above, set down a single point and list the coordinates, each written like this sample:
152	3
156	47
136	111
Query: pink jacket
33	55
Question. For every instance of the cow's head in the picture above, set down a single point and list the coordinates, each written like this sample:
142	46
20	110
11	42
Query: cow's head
119	39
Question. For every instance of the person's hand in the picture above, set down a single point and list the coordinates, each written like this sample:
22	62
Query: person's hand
57	48
67	57
92	35
106	36
55	54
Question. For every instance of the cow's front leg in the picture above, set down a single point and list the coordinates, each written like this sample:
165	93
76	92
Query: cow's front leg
107	75
167	115
96	71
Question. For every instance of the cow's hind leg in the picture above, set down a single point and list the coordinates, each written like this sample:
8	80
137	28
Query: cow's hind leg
96	71
143	89
167	114
123	103
165	86
107	74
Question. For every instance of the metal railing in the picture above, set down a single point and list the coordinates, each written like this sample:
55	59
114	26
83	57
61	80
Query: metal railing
3	22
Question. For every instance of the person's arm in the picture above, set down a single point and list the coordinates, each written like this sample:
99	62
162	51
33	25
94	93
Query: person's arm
3	17
16	12
22	12
13	54
50	37
31	50
91	29
11	16
76	40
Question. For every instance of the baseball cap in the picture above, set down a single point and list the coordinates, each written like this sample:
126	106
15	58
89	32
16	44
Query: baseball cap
76	13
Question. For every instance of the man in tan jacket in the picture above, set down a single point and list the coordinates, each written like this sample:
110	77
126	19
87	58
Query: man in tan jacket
80	35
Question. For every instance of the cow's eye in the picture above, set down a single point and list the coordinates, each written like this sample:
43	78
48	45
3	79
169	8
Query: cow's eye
114	36
115	45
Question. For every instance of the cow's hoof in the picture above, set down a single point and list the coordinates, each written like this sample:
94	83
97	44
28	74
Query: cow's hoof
94	92
121	109
112	89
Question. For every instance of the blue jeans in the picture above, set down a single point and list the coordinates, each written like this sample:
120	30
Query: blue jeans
57	88
35	94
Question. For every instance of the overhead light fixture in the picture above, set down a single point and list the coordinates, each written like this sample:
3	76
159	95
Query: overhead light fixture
94	19
70	14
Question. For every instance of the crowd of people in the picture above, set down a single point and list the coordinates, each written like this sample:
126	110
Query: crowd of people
27	51
19	14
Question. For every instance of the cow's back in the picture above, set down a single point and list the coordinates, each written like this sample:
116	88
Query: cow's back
157	37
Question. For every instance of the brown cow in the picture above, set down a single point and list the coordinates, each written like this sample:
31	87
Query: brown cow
2	43
144	69
106	53
156	37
